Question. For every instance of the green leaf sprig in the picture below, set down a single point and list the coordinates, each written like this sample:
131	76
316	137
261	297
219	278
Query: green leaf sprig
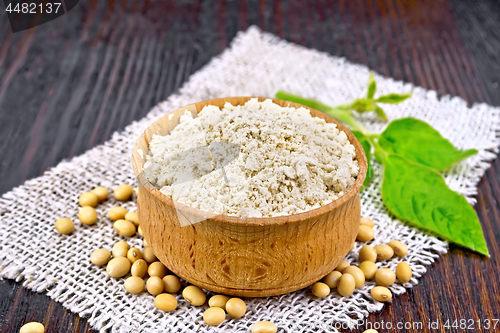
412	153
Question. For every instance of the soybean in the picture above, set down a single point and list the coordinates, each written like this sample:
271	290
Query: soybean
101	193
88	199
264	327
171	284
120	249
148	255
320	289
384	252
369	269
381	294
343	265
332	279
403	272
124	228
123	192
365	233
367	253
139	268
87	215
145	243
347	284
366	221
166	302
134	254
134	284
357	274
218	301
214	316
371	330
117	213
132	217
64	226
385	277
100	257
154	285
139	231
194	295
157	269
32	327
399	248
236	307
118	267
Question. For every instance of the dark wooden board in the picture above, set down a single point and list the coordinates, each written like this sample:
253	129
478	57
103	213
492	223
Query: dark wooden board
69	84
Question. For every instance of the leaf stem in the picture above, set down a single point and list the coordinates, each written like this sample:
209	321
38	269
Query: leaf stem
374	136
312	103
347	118
342	113
379	152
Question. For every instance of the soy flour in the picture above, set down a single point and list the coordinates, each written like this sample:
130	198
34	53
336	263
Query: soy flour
271	160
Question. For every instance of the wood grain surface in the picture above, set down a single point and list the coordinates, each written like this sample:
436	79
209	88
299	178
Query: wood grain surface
67	85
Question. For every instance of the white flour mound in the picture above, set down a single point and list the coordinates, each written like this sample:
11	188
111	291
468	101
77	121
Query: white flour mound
288	161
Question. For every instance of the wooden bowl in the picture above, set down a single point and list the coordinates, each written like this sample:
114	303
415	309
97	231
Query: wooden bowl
252	257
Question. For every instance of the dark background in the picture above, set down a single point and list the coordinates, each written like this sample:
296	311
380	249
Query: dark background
67	85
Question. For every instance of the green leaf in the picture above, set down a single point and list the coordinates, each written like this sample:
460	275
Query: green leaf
420	195
419	142
362	105
380	112
393	98
367	147
372	86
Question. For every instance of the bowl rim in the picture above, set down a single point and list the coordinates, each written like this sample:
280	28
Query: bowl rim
143	142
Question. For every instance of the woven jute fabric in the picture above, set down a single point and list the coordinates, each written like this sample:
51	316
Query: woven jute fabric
256	64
